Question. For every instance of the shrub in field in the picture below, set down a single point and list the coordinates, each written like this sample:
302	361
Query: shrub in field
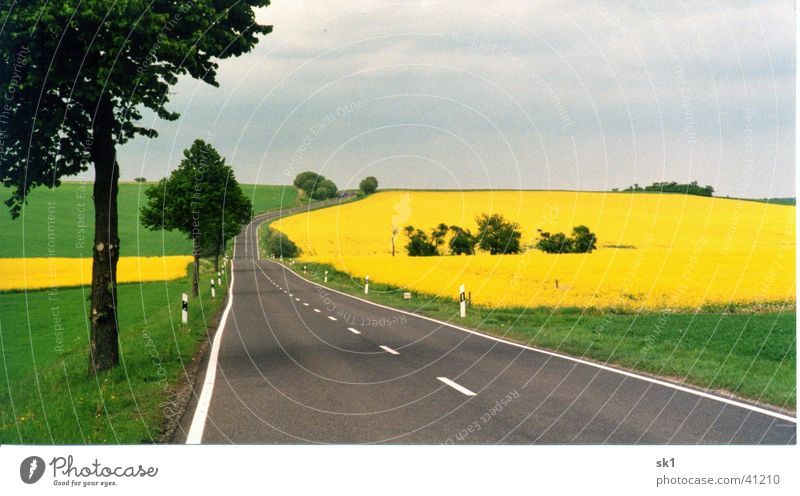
279	245
582	241
463	241
497	235
420	244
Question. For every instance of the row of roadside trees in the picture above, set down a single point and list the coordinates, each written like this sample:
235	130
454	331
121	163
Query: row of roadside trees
495	235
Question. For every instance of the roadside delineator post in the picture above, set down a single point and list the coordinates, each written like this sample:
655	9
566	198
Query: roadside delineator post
184	308
326	276
462	301
213	289
366	285
219	279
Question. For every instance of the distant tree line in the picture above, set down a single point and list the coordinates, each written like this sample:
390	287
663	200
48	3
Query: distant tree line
495	235
672	187
318	187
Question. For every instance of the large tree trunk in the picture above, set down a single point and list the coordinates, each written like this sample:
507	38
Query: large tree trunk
196	275
104	349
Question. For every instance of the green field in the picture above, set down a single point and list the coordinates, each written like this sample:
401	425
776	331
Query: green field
750	355
71	215
46	395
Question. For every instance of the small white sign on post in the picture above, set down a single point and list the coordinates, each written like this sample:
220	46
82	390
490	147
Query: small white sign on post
326	276
184	308
366	285
213	289
462	301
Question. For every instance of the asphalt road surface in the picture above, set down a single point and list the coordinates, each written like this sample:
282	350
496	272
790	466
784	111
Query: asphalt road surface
299	363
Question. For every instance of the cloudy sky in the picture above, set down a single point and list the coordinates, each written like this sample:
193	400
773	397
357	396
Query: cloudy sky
518	94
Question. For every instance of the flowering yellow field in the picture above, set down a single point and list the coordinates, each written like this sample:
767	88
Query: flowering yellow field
654	251
36	273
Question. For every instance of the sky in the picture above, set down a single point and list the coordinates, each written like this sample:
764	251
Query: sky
515	95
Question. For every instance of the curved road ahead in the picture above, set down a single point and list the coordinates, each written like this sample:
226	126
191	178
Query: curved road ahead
297	363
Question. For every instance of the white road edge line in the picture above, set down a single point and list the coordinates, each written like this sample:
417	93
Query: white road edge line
645	378
387	349
195	435
354	331
458	387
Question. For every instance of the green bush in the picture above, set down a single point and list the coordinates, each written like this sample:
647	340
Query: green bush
582	241
279	245
315	185
497	235
369	185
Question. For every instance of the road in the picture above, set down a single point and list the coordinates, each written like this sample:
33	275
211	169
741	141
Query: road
298	363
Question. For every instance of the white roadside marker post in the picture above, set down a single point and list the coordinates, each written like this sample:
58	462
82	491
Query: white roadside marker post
462	302
326	276
213	289
366	285
184	308
219	279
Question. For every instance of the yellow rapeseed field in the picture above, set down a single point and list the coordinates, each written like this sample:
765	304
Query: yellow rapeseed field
655	251
37	273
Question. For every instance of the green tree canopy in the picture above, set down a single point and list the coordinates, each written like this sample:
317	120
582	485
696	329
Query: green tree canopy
77	77
463	241
202	199
497	235
315	185
368	185
582	241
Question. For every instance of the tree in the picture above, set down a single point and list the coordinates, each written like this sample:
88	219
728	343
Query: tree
554	243
140	179
419	244
325	189
368	185
462	242
438	234
279	245
77	76
497	235
202	199
315	185
395	232
583	240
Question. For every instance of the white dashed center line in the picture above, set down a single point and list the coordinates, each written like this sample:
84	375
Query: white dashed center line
389	350
457	387
331	317
305	304
354	331
316	310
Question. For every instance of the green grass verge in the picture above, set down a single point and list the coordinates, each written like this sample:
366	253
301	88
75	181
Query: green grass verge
749	355
46	394
66	215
